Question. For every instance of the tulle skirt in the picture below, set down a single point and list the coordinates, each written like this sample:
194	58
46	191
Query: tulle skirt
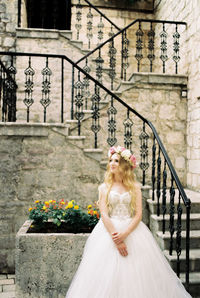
144	273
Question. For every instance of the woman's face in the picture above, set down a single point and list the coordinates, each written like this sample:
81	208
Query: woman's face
114	163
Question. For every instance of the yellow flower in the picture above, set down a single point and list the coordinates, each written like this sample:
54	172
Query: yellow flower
70	205
76	207
30	209
46	203
66	207
62	203
89	206
72	201
50	201
37	201
44	207
95	212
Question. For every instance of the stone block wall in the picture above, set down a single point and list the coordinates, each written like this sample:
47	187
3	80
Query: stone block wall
8	18
189	11
39	163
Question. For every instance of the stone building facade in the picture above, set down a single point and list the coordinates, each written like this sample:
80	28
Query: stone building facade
188	11
36	158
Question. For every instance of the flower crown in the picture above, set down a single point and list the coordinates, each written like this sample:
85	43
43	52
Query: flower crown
124	153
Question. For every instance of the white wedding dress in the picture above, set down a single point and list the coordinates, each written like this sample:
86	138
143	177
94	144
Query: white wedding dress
104	273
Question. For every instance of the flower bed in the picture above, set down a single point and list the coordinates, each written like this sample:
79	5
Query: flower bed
62	217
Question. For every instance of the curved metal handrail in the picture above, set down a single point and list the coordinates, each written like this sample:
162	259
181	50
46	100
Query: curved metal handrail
103	15
124	29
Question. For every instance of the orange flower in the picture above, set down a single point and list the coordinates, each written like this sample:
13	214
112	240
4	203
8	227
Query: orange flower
30	209
46	203
76	207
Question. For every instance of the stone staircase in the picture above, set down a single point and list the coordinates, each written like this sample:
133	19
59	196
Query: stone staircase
163	240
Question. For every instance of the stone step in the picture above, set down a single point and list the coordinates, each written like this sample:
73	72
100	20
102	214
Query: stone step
164	239
194	260
94	153
194	196
194	288
156	221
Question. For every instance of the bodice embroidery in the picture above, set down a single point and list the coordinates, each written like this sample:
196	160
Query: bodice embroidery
119	205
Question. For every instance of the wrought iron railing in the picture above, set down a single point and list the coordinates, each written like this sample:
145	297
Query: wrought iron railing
101	24
102	106
132	49
8	89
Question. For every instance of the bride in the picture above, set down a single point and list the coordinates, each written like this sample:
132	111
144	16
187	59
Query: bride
121	259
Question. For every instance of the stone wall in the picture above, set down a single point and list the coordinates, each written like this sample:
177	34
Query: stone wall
189	11
8	18
38	162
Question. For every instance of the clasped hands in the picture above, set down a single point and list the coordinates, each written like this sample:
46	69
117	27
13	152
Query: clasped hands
118	239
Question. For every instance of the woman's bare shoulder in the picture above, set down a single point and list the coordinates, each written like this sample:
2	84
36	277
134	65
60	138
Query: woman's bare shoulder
102	188
137	186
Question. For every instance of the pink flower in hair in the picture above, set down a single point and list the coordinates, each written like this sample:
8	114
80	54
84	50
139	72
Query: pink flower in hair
112	150
133	160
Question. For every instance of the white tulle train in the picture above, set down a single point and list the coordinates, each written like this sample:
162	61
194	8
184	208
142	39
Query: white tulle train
144	273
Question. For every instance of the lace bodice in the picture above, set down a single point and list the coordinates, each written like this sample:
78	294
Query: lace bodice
119	204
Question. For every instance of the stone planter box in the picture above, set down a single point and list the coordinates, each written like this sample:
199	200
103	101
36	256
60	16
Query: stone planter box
46	263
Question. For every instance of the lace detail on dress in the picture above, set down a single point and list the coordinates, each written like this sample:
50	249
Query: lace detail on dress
119	205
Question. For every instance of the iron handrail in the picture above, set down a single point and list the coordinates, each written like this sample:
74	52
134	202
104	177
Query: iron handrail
103	15
8	74
124	29
171	168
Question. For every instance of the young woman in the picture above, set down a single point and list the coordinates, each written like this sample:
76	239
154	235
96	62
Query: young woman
121	258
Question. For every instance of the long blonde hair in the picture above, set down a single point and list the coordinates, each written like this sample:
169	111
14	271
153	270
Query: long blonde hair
128	179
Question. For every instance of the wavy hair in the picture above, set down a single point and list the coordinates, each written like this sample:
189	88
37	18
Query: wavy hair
128	179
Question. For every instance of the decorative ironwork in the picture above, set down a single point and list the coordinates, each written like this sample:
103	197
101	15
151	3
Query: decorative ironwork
176	56
158	182
112	112
10	90
46	85
178	234
86	83
99	66
164	196
125	54
28	100
128	123
89	27
79	97
139	46
78	25
151	56
163	47
171	214
144	151
112	54
95	114
153	178
100	30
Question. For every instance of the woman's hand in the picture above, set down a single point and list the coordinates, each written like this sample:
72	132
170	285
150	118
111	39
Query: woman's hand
122	249
118	237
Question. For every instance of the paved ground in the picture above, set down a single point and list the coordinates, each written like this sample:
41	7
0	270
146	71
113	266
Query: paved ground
7	286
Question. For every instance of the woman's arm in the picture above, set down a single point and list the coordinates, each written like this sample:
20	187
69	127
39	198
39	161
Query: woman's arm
107	222
104	210
120	237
